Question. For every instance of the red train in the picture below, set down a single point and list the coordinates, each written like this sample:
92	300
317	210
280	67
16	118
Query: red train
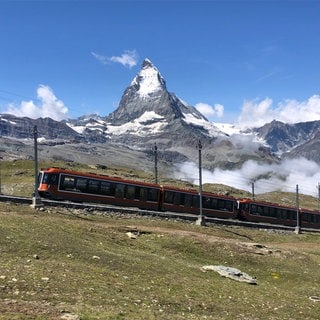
62	184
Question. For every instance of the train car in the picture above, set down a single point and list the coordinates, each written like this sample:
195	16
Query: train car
256	211
187	201
310	218
62	184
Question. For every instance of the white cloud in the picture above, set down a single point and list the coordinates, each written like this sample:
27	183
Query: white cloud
266	177
256	113
100	58
127	59
48	106
209	111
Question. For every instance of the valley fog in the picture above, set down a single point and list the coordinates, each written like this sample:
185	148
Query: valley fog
266	177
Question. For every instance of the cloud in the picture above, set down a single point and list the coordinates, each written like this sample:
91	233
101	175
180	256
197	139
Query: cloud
47	106
209	111
100	58
266	177
256	113
128	59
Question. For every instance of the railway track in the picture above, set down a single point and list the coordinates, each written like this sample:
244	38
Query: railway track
91	207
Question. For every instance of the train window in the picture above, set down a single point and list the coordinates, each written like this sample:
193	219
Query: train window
119	190
107	188
220	204
67	183
288	214
266	211
273	212
130	192
168	197
224	205
152	194
259	210
195	201
143	194
93	186
280	214
188	200
214	203
229	205
292	214
50	178
312	217
206	203
253	209
81	184
306	217
137	193
182	198
176	198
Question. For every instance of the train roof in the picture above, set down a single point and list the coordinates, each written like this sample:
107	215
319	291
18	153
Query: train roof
98	176
247	200
193	191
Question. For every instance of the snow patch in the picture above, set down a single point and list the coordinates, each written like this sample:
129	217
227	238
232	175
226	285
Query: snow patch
193	119
78	129
6	120
149	80
140	126
228	128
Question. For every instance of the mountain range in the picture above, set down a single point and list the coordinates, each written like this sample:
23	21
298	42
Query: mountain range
148	115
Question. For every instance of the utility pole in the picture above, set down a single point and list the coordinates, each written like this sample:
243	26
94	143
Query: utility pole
0	175
156	162
297	228
201	220
318	195
36	201
252	186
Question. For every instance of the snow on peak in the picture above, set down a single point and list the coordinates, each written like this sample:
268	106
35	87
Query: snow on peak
148	123
149	79
194	119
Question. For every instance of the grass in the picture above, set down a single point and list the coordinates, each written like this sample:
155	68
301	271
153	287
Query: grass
58	261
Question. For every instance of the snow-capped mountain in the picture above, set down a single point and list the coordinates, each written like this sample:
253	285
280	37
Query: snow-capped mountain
148	109
148	113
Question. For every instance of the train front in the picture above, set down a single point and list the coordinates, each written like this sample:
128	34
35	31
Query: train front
48	183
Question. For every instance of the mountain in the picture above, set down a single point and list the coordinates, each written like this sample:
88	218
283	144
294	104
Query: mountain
22	128
149	114
148	93
284	137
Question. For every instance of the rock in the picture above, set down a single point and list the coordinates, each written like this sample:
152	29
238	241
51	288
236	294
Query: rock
131	235
70	316
231	273
315	298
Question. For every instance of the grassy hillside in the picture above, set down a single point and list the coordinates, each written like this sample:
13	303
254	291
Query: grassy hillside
56	263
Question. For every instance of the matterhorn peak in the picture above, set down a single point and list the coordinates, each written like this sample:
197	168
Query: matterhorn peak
148	80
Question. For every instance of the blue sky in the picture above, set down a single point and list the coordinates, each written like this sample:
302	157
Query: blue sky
241	61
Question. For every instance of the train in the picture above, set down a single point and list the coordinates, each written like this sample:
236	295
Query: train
65	184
